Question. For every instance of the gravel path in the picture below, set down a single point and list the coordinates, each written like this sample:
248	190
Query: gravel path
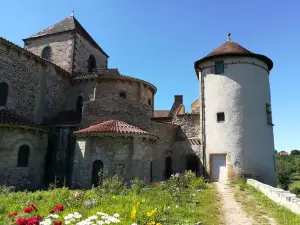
234	215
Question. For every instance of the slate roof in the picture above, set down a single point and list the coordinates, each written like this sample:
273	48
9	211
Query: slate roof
114	126
10	117
69	117
231	48
68	24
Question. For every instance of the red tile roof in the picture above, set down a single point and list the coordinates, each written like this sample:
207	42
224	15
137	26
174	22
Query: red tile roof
161	113
231	48
114	126
10	117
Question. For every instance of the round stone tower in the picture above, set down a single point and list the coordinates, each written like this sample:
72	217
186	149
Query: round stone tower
235	111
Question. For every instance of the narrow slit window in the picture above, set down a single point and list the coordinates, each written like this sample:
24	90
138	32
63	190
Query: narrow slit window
220	117
269	114
219	67
149	101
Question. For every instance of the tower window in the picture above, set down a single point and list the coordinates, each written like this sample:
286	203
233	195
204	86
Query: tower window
149	101
220	117
91	63
219	67
269	114
46	53
3	93
23	156
123	94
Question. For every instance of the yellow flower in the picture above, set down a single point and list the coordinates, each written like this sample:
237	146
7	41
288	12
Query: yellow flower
151	223
132	214
113	196
143	200
158	224
151	213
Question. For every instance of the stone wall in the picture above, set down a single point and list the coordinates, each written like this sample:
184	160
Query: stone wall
36	90
126	156
134	113
61	48
190	125
162	148
185	151
278	195
83	49
11	141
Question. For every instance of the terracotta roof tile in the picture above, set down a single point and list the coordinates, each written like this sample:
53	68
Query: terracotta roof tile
161	113
65	117
231	48
10	117
114	126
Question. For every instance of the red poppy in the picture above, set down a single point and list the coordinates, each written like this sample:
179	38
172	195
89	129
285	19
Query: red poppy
57	223
22	221
33	221
12	214
34	207
59	208
28	209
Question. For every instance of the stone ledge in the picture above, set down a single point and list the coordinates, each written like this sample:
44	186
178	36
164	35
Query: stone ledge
280	196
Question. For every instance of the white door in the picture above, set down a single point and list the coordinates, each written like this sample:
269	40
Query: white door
219	172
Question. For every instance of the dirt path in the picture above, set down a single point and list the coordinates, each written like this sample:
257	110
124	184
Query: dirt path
234	215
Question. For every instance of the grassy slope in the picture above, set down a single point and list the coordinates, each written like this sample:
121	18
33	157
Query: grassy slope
206	210
260	206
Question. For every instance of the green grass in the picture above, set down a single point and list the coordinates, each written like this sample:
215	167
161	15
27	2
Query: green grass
260	206
196	206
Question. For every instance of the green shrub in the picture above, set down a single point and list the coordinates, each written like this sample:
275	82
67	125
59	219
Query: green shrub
242	182
198	183
113	185
295	188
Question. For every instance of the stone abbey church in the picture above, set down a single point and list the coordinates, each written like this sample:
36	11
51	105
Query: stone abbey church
64	115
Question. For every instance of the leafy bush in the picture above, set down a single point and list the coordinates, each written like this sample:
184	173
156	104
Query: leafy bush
198	183
295	188
113	185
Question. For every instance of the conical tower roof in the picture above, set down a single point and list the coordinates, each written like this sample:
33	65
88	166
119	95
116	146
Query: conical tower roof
231	48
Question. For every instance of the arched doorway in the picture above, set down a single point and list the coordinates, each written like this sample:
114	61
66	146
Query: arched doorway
192	163
168	167
97	167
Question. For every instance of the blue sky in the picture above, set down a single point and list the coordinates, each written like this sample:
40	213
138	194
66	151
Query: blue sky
159	40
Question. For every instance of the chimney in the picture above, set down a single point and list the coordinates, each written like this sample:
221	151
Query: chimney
178	99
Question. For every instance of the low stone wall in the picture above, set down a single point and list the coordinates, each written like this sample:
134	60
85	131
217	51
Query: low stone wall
278	195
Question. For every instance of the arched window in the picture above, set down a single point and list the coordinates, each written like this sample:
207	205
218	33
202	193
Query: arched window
97	173
91	63
79	104
23	156
46	53
168	167
3	93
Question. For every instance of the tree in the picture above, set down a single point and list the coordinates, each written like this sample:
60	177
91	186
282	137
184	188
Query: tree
275	152
284	173
295	152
